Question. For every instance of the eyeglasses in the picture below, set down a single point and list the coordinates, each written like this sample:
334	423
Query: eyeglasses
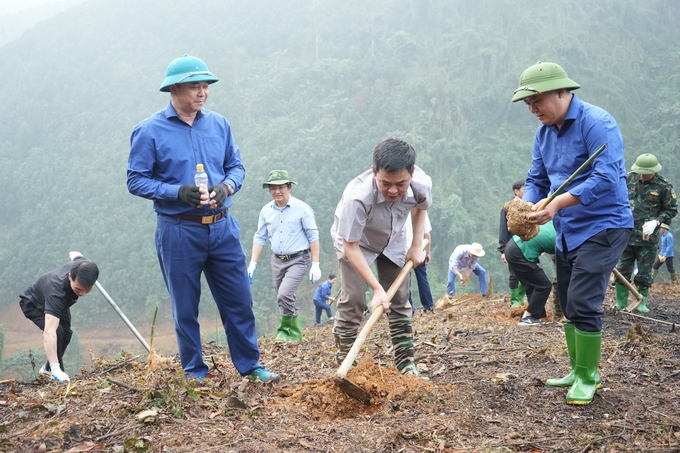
526	88
277	188
191	74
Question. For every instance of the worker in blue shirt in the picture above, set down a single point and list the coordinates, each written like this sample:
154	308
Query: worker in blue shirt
289	224
592	216
195	233
666	254
464	260
322	298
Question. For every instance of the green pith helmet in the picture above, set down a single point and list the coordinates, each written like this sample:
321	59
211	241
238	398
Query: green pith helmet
541	78
186	69
646	164
277	178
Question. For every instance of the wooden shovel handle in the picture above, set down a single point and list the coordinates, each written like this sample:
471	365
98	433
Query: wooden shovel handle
377	313
627	284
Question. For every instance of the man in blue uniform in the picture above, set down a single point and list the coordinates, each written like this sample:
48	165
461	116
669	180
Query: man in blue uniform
591	216
195	232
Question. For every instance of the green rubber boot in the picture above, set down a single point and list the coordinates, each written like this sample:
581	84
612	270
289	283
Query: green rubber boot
283	332
674	277
295	330
621	297
522	294
514	298
642	307
654	273
588	347
344	342
568	380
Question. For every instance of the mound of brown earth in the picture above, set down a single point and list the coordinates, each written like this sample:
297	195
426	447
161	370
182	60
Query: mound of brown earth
486	393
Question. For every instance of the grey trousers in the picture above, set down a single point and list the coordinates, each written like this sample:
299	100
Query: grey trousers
350	311
287	276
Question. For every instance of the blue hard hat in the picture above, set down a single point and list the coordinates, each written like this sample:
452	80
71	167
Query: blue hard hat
186	69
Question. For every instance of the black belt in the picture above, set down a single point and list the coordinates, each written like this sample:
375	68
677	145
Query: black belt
291	256
206	219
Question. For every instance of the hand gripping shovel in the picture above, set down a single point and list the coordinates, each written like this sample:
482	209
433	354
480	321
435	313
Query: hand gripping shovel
347	386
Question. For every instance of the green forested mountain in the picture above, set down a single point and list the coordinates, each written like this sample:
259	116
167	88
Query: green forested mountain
309	86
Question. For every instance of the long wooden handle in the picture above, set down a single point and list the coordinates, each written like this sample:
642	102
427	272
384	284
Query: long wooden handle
377	313
627	284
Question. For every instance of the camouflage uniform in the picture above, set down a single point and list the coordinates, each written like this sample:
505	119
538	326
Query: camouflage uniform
649	200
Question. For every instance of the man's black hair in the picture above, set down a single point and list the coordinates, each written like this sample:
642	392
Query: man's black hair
393	156
518	184
85	272
331	276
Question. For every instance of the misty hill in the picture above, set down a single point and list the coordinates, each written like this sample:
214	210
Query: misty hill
310	87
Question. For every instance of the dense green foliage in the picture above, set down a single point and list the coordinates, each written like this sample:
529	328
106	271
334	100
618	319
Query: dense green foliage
311	87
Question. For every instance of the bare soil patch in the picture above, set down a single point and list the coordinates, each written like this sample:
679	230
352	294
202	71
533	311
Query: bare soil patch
486	393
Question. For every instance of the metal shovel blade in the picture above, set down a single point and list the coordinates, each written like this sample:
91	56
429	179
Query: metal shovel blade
352	390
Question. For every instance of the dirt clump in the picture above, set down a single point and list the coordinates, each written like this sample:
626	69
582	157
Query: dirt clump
518	212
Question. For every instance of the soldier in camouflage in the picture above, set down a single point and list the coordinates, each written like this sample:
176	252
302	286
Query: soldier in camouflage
653	202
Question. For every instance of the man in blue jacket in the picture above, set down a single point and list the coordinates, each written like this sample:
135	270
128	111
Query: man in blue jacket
195	233
322	298
592	215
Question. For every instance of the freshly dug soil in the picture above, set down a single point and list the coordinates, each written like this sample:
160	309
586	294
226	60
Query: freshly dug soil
486	393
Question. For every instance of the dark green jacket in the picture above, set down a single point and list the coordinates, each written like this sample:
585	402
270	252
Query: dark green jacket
650	200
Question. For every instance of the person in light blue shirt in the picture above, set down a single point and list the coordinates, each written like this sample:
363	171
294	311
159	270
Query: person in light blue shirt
322	298
666	254
195	233
592	216
290	226
463	260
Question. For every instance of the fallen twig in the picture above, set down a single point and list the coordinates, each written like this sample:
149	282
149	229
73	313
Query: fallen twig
120	431
122	384
674	373
647	317
115	367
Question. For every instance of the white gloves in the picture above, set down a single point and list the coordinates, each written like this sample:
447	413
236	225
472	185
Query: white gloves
314	273
251	271
57	374
648	227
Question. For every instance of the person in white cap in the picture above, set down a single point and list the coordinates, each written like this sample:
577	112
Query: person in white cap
462	263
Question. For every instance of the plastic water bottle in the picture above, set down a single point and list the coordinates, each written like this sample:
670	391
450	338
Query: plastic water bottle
201	178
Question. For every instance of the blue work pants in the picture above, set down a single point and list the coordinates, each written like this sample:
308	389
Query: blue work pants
583	275
423	288
319	307
479	271
185	250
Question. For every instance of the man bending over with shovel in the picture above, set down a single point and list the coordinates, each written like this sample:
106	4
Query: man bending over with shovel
367	229
47	302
